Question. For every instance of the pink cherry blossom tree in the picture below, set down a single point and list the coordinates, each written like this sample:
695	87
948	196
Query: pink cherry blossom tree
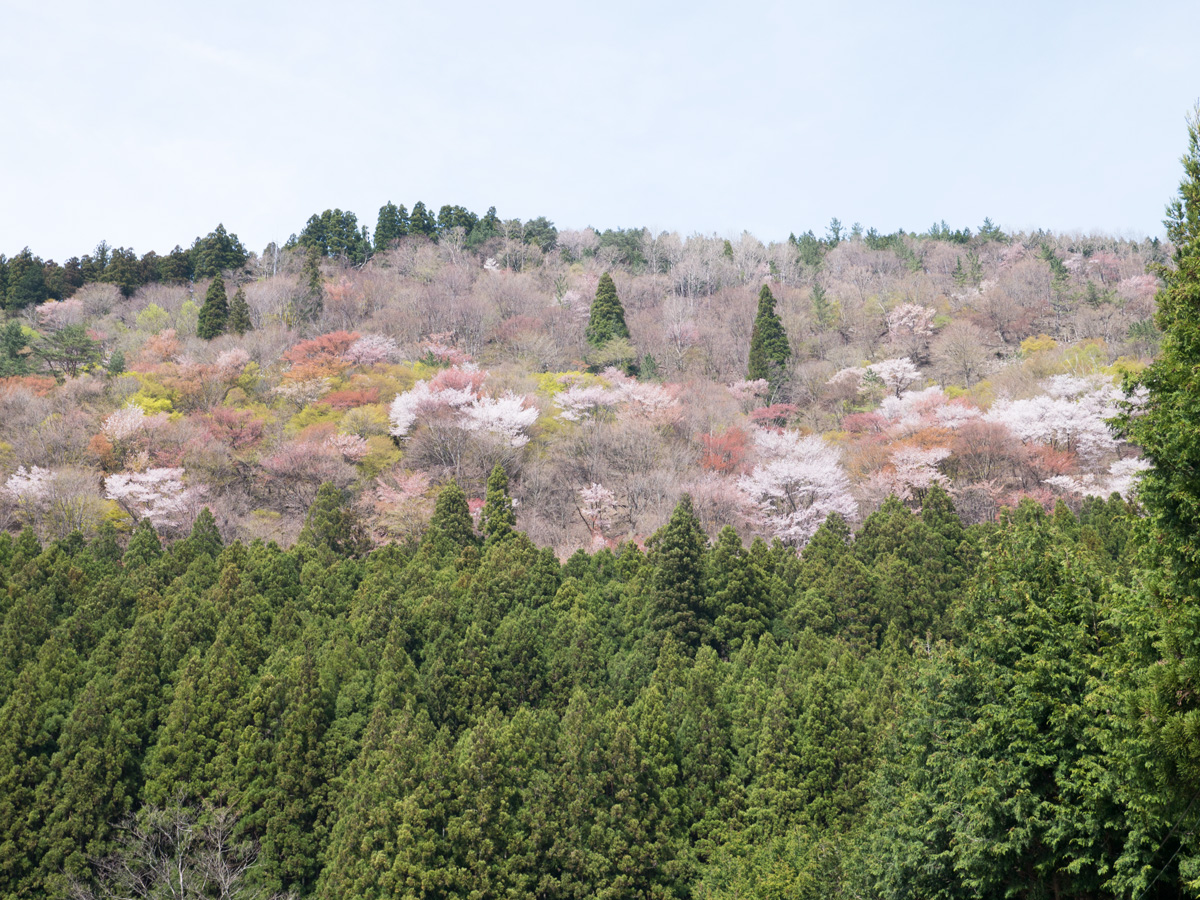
157	494
797	483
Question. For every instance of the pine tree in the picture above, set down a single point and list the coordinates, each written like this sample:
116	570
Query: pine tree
239	314
214	312
769	349
498	519
607	319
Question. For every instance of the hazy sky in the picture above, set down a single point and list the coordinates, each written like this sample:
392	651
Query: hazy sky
146	124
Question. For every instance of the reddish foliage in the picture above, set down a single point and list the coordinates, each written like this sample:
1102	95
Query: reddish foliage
351	397
1048	462
158	349
456	379
102	448
335	343
725	452
864	423
41	385
776	414
320	356
236	427
316	433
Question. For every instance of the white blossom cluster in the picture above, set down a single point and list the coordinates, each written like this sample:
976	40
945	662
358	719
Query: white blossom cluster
798	482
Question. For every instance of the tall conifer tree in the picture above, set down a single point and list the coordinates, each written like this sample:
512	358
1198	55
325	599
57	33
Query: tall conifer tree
498	519
607	319
769	350
214	312
239	314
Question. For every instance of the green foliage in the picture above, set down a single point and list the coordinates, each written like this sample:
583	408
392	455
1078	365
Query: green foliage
68	351
13	343
498	519
391	225
239	321
678	601
334	233
311	302
332	525
769	348
450	529
606	320
215	312
219	251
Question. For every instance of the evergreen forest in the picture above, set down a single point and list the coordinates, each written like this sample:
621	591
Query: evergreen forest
468	557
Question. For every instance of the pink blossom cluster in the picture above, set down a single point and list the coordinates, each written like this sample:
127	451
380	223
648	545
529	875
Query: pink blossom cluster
598	506
25	485
372	349
126	422
352	447
797	483
910	319
615	390
157	494
458	395
304	392
1121	478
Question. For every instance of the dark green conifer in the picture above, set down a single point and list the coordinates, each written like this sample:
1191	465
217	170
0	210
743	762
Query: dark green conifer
677	582
332	525
498	519
214	312
607	319
451	529
391	225
144	547
769	350
239	314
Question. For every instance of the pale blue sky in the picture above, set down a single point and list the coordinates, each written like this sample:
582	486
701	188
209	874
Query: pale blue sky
146	124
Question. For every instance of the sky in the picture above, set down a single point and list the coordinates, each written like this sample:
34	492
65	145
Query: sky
146	124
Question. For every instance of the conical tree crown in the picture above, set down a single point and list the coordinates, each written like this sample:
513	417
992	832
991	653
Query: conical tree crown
214	312
239	314
331	524
451	527
607	319
769	349
498	519
678	581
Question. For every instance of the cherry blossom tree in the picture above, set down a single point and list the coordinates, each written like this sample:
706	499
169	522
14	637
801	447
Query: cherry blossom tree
451	423
910	474
1071	415
157	494
399	506
352	447
910	319
797	483
1121	478
372	349
125	423
598	508
897	375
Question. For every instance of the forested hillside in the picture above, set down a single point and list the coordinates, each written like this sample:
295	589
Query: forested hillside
471	557
608	373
